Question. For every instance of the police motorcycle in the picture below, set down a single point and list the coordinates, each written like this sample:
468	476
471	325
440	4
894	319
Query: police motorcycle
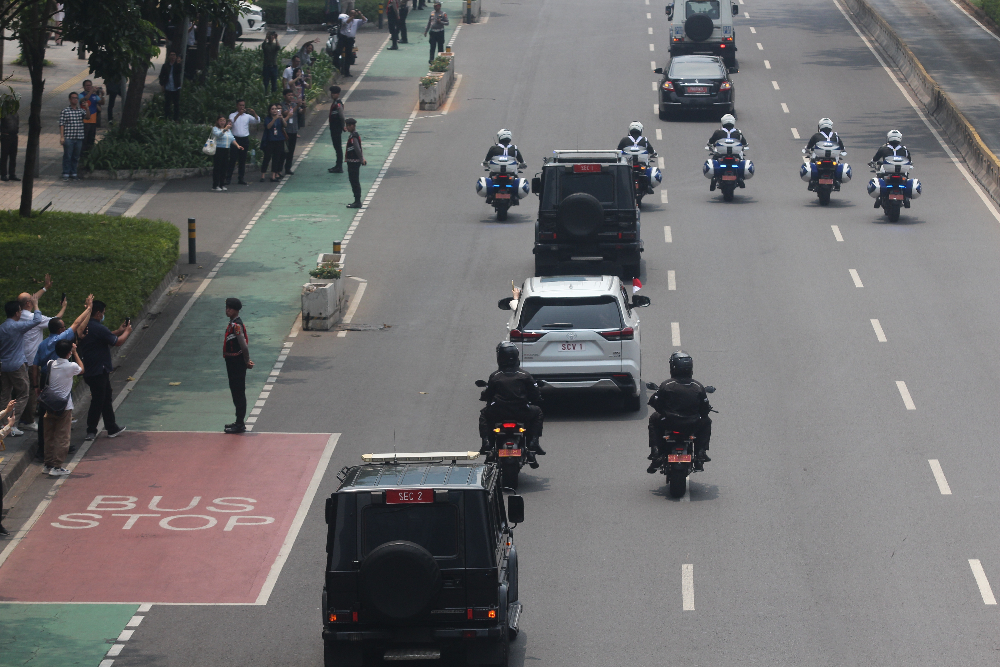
677	460
892	186
727	166
502	188
824	169
644	174
508	446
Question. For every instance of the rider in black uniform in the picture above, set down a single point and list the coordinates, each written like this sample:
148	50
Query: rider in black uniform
635	138
504	146
728	131
893	146
512	393
681	403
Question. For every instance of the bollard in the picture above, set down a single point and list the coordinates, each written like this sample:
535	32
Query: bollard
468	11
336	246
380	12
191	239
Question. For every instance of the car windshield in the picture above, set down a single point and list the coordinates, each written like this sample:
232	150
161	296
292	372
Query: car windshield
707	7
433	526
600	185
694	70
541	314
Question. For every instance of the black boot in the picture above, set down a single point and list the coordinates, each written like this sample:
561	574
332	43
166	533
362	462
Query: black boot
711	187
535	447
485	447
654	458
532	461
649	189
356	204
878	202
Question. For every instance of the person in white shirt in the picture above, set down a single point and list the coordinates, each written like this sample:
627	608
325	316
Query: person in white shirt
241	119
32	339
289	73
58	423
348	31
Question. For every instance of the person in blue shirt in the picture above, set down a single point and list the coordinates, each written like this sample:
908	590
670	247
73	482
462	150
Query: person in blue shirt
95	350
13	364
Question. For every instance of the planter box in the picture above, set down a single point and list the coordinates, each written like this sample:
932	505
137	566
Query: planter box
323	304
477	11
431	97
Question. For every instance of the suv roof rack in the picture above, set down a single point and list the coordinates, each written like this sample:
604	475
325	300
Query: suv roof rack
419	457
605	156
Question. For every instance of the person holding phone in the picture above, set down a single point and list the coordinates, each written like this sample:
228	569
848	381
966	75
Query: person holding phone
223	135
274	142
95	350
93	98
241	121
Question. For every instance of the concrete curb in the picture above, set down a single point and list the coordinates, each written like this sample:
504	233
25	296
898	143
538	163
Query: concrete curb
146	174
980	16
981	160
20	460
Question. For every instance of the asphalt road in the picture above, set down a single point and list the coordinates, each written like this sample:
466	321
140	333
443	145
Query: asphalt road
818	535
961	55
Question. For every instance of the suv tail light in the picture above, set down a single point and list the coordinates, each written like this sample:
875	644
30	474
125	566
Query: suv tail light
625	334
480	614
626	236
526	336
546	236
343	617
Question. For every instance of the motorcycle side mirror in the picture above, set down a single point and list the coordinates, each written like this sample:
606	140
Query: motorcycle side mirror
536	185
709	389
670	12
658	70
736	10
515	509
651	386
504	304
481	383
639	301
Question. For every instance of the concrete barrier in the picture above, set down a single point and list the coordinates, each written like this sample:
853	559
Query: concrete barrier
981	160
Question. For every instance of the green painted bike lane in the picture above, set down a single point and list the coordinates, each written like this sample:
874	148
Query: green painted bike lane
52	635
411	59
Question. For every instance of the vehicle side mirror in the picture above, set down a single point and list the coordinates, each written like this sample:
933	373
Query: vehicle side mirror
515	509
670	12
504	304
651	386
658	70
639	301
536	185
736	10
709	389
481	383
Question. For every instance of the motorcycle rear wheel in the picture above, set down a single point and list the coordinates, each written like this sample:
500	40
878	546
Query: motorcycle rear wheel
509	473
501	213
892	212
824	197
678	483
727	192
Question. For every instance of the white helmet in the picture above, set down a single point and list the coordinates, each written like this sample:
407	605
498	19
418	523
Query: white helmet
729	119
635	125
504	134
825	124
894	135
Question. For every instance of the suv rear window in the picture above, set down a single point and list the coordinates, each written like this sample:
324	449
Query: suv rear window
600	185
600	312
709	7
433	526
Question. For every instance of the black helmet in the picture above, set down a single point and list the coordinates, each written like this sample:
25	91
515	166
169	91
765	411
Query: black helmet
681	364
508	357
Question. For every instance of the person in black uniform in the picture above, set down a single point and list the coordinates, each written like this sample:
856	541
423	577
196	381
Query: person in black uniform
728	131
355	158
893	147
512	393
236	352
503	146
681	403
635	138
824	132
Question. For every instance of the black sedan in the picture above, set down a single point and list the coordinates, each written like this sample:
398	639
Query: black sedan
696	82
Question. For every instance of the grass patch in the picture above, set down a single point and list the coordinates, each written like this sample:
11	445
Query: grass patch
119	260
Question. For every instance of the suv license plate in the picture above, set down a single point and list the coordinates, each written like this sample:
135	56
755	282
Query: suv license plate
509	452
501	196
826	181
729	177
571	347
896	197
697	89
678	458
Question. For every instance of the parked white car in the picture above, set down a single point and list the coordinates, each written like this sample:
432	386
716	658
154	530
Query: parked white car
251	20
579	332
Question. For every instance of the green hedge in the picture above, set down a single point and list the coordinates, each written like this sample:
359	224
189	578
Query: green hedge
119	260
992	9
152	144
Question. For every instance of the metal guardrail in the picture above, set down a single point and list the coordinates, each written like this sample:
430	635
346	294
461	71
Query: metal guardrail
985	165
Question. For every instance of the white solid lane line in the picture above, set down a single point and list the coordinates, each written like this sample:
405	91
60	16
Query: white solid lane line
982	581
795	133
879	334
659	135
760	47
753	31
939	477
905	394
856	278
675	334
667	235
775	84
687	586
836	233
767	64
784	107
988	31
671	280
663	198
650	30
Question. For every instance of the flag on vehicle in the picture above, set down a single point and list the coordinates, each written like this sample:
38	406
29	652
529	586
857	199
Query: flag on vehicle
636	285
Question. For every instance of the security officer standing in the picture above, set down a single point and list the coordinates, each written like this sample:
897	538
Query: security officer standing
511	393
236	352
680	403
355	158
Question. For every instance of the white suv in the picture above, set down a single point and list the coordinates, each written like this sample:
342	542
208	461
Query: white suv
579	332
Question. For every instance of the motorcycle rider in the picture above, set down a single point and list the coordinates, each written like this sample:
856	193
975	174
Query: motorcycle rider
503	146
681	403
635	138
728	131
893	147
824	132
511	393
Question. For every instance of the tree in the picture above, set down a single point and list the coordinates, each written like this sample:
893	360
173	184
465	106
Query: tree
31	28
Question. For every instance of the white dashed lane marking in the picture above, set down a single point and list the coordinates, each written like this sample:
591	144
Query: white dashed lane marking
982	581
654	86
650	30
879	334
667	235
856	278
650	47
687	586
767	64
671	280
795	133
775	84
939	477
652	64
663	198
836	231
784	107
746	15
659	160
648	15
753	31
760	47
675	334
656	108
905	394
659	136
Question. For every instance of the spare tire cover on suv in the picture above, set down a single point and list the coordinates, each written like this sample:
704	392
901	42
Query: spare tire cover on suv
399	580
699	27
580	214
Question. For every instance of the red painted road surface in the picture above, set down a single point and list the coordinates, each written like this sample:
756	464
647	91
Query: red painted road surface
167	517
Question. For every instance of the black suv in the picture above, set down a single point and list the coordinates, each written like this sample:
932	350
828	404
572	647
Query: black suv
421	562
587	214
